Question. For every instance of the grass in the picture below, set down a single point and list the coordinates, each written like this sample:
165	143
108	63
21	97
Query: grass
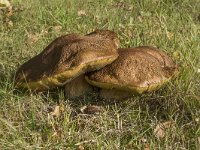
173	26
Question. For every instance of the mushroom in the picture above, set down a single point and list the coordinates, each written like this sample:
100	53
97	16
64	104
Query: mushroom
66	58
135	71
77	87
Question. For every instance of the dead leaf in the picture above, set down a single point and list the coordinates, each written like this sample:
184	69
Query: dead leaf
140	18
34	37
8	12
198	70
56	112
160	129
123	5
144	143
90	109
121	26
81	13
10	23
4	4
85	142
129	33
57	28
143	140
97	18
169	35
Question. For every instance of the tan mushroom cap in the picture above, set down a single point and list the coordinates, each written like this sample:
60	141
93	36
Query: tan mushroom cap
136	70
66	58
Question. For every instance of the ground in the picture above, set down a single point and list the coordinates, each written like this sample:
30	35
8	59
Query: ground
27	120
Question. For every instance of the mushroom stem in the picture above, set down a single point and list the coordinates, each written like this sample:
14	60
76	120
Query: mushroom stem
77	87
114	94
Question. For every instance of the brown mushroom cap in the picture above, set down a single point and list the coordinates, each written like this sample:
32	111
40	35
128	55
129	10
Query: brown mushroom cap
136	70
66	58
